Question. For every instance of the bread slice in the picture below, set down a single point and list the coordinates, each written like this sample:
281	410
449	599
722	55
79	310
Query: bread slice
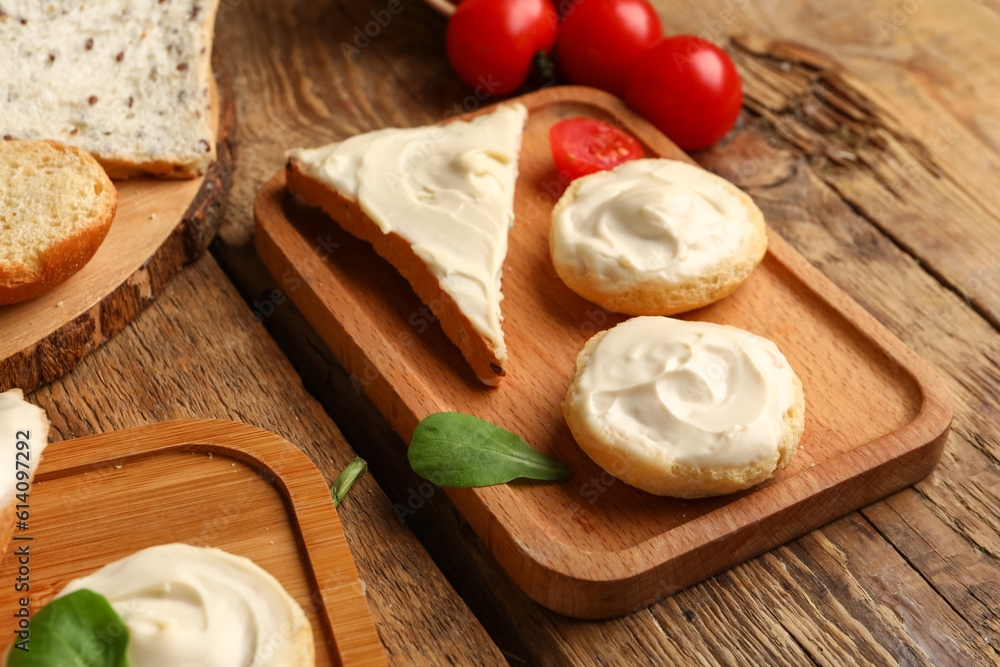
436	202
128	82
56	207
20	422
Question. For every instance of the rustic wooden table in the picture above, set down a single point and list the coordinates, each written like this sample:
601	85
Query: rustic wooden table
870	139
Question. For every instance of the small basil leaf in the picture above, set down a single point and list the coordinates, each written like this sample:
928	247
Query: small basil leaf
78	630
342	484
459	450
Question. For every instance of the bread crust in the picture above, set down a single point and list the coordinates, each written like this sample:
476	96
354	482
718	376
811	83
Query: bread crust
479	352
303	645
679	479
68	255
652	295
122	170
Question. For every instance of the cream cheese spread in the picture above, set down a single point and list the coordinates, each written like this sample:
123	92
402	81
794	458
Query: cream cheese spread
20	421
703	394
188	606
651	220
448	190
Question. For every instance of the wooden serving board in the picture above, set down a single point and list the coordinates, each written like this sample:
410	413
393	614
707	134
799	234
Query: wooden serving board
877	416
160	226
202	482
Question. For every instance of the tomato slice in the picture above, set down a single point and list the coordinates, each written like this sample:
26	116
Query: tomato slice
582	146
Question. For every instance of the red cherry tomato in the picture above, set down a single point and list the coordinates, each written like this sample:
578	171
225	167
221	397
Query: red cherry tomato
491	43
688	88
600	40
582	146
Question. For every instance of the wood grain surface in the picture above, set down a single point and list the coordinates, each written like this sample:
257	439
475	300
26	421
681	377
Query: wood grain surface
873	151
160	225
207	483
909	580
876	416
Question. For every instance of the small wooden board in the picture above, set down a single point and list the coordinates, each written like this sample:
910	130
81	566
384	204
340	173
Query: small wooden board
877	416
202	482
160	226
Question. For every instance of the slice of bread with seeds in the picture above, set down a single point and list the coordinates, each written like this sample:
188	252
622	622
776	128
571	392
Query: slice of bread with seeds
128	82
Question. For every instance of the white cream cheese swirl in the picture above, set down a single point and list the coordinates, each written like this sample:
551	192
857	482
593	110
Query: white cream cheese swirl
702	394
447	189
188	606
651	220
25	422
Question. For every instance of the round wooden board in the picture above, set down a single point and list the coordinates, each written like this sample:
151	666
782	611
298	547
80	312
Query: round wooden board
160	226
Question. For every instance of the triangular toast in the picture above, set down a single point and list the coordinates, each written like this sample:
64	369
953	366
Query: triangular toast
437	203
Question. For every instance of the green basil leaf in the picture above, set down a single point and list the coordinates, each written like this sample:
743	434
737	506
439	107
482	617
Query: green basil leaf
459	450
78	630
342	484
